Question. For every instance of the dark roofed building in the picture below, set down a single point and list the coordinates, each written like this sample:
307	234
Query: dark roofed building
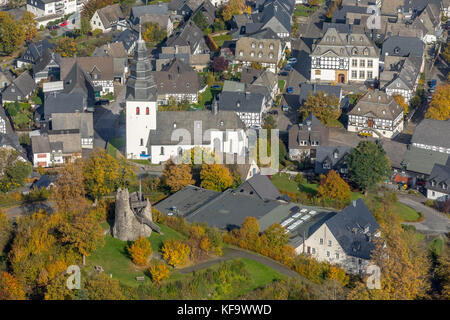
331	158
438	184
305	137
248	106
188	35
108	18
400	46
259	186
117	51
306	89
46	67
432	135
34	51
128	38
20	89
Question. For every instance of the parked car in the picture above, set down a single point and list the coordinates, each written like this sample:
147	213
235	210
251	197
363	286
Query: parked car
429	98
102	102
285	107
432	83
284	73
65	23
215	86
289	89
292	60
288	68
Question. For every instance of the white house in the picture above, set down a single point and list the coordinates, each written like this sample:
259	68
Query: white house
345	239
42	8
108	19
438	184
267	52
341	57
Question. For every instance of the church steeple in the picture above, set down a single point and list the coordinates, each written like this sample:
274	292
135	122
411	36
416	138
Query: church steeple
141	85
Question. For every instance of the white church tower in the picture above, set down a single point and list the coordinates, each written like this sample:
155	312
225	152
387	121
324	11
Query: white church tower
141	103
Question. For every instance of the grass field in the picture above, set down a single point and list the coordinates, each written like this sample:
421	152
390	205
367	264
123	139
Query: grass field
114	145
406	213
436	246
222	38
281	84
114	259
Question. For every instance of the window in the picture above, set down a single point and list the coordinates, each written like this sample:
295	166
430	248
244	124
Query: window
354	62
271	55
354	74
142	142
162	150
321	241
137	111
260	46
361	74
328	253
147	110
362	63
260	55
329	243
241	53
271	46
313	250
253	45
370	63
317	72
369	74
337	256
252	54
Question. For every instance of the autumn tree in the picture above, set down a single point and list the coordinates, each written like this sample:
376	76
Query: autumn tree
220	64
28	24
175	252
69	192
368	164
215	177
13	169
16	3
12	34
5	231
403	264
233	7
10	288
91	6
152	32
326	108
401	102
446	53
140	250
103	174
159	271
334	188
100	286
440	104
443	271
176	177
66	47
200	20
85	26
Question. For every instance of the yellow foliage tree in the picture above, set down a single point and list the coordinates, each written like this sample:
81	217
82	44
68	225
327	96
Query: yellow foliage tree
175	252
29	26
159	271
177	177
215	177
140	250
401	102
440	104
10	288
338	274
66	47
326	108
334	188
233	7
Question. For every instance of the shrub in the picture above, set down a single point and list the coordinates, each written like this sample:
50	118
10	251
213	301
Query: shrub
97	32
159	271
140	251
175	252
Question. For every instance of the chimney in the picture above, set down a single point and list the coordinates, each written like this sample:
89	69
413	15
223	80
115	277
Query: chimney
215	107
354	203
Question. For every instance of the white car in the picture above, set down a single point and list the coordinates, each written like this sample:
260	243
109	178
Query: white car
292	60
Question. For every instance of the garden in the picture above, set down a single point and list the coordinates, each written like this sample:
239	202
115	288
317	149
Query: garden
21	114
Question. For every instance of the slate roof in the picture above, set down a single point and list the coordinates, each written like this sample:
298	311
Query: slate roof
422	161
102	66
249	45
40	144
186	120
22	86
377	104
402	47
110	15
77	81
161	19
82	121
349	229
60	102
138	11
44	181
70	140
306	89
403	70
44	61
177	78
35	50
248	75
10	138
190	35
259	186
440	175
128	38
241	102
115	50
311	129
433	133
326	154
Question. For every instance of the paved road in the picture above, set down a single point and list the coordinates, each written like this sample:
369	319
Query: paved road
235	253
434	222
28	209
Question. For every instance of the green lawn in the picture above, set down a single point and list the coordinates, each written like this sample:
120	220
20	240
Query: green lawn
114	145
281	84
304	11
436	246
222	38
207	97
406	213
114	259
260	275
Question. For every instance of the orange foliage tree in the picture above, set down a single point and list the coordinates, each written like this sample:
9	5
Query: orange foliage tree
175	252
440	104
334	189
215	177
10	288
159	271
176	177
140	250
401	102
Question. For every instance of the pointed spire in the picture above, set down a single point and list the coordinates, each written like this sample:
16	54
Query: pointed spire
140	32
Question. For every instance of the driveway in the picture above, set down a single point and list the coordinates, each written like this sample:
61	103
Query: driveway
434	222
236	253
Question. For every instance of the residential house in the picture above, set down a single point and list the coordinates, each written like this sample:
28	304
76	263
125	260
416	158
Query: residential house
259	186
33	53
438	184
179	81
376	114
248	106
128	39
189	35
341	57
46	67
198	61
264	52
109	18
446	8
331	158
307	89
5	79
345	239
400	76
432	135
120	58
56	148
244	166
156	13
46	181
267	84
42	8
81	121
208	10
20	89
306	137
100	69
429	20
8	137
248	75
399	46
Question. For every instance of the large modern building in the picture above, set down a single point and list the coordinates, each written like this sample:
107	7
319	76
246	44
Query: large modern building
344	57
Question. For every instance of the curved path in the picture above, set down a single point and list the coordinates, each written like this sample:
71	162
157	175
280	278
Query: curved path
434	222
230	253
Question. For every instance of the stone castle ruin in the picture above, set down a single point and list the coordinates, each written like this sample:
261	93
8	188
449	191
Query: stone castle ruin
133	216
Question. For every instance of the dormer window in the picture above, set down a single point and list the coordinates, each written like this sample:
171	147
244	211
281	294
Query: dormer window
433	183
253	45
271	55
252	54
444	185
354	51
336	154
238	104
366	52
261	46
271	46
241	53
260	55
